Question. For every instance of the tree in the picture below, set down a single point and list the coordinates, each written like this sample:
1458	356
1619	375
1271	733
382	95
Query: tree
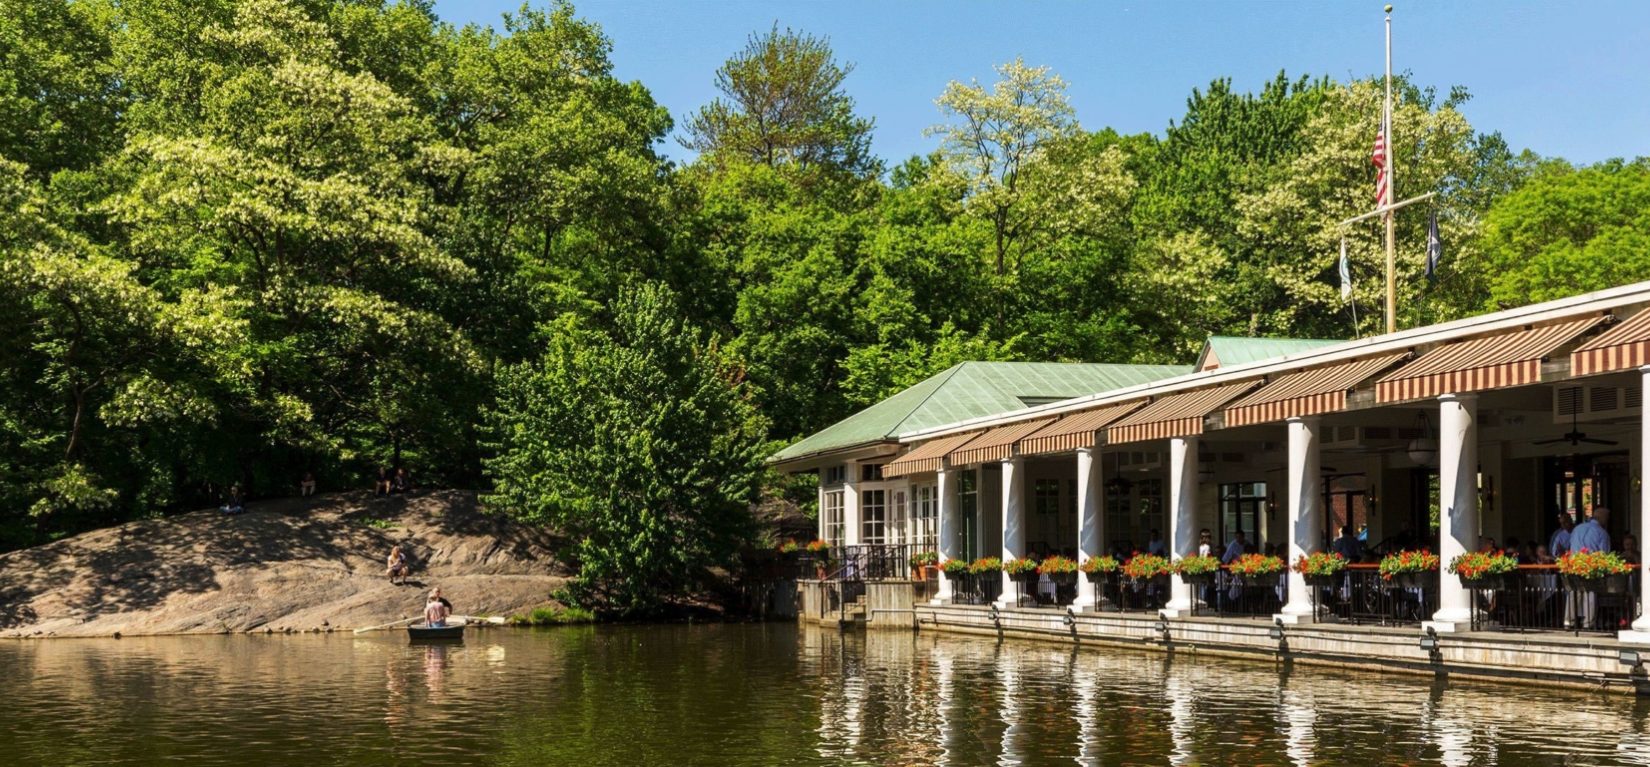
996	135
1569	231
783	104
638	442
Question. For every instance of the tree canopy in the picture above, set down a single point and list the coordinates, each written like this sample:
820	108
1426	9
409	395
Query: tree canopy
247	239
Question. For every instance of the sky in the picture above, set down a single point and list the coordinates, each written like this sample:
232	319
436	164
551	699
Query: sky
1566	79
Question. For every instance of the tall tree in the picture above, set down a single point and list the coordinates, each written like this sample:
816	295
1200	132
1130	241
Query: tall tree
783	104
638	441
992	137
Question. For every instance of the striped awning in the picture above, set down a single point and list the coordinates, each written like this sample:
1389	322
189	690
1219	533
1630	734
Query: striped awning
1492	362
1623	347
1075	430
1176	415
1308	392
926	456
995	443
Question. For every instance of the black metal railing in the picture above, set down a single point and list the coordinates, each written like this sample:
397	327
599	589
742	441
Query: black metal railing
1246	596
1539	598
976	588
1360	595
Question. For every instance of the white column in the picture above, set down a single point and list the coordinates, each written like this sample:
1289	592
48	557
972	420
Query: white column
1458	493
947	538
852	529
1014	523
1305	513
1640	633
1182	518
1090	534
821	506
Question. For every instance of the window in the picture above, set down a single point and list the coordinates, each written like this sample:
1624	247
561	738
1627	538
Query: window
830	516
925	510
968	504
1045	497
873	514
1120	517
870	472
1240	505
898	531
833	475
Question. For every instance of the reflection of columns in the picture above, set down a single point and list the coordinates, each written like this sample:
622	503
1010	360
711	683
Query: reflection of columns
1641	626
1009	709
851	527
1305	512
1086	687
1090	535
945	692
1458	493
1182	716
1182	517
1014	527
947	543
1299	740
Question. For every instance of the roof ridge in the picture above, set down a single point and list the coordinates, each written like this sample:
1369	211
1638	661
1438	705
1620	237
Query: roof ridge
949	373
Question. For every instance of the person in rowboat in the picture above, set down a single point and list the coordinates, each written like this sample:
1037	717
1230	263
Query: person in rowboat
437	610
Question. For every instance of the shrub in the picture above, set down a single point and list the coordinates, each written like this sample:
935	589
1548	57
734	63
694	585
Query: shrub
1421	561
985	565
1057	565
1101	564
1142	566
1321	563
1476	564
1020	566
1197	564
925	558
1593	564
554	616
955	566
1251	565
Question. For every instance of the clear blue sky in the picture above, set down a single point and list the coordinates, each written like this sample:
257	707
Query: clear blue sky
1568	79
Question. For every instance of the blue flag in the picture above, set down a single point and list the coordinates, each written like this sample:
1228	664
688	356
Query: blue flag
1435	247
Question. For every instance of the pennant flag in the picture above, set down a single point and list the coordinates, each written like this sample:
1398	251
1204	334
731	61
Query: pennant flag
1435	247
1378	158
1346	274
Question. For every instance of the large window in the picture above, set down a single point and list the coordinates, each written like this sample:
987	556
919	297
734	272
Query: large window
926	516
1240	505
1120	518
968	507
830	515
873	511
898	528
833	475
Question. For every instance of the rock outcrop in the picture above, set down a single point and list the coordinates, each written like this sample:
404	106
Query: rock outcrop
284	565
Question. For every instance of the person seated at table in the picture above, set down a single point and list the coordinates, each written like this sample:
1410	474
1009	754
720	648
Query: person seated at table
1235	549
1156	545
1543	556
1559	544
1630	549
1348	545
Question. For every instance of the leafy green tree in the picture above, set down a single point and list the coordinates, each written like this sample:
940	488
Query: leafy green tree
783	104
1569	231
638	441
994	136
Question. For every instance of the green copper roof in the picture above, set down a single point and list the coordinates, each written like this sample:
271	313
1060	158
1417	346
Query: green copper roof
973	390
1230	350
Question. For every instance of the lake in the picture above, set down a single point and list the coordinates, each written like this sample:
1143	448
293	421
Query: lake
765	694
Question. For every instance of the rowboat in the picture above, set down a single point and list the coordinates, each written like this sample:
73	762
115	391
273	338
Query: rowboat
448	633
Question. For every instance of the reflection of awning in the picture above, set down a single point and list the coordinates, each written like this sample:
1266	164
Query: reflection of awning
1308	392
1623	347
1177	415
1076	430
995	444
926	456
1491	362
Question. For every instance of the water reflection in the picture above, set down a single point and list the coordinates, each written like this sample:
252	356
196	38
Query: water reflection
762	695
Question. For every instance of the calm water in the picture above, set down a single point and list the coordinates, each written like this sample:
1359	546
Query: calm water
757	695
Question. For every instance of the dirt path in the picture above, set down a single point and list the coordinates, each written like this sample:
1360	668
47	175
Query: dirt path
290	564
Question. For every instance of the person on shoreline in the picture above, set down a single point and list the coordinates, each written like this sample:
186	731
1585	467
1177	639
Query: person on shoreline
235	503
397	565
306	486
437	610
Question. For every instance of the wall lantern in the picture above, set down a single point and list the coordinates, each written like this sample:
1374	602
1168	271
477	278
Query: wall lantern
1429	640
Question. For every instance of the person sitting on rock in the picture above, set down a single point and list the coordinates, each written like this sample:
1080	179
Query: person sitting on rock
306	486
401	483
397	564
235	503
381	485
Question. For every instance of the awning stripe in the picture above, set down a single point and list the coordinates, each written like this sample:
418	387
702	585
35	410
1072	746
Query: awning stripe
995	444
1491	362
926	456
1176	415
1308	392
1076	430
1623	347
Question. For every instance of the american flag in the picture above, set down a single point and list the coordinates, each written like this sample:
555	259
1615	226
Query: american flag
1379	159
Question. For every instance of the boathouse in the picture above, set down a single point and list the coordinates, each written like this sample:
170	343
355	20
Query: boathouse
1489	431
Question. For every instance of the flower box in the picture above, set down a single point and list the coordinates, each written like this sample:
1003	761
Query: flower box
1322	581
1198	579
1407	580
1262	580
1063	579
1100	577
1615	583
1485	582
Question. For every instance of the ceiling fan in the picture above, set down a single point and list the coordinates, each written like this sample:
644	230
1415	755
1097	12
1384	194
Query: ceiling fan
1574	436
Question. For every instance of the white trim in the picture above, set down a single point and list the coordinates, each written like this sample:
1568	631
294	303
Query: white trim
1403	340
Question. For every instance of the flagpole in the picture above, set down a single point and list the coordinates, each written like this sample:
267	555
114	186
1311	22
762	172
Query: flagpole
1391	184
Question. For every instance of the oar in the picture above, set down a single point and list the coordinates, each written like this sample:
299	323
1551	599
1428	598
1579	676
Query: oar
391	624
